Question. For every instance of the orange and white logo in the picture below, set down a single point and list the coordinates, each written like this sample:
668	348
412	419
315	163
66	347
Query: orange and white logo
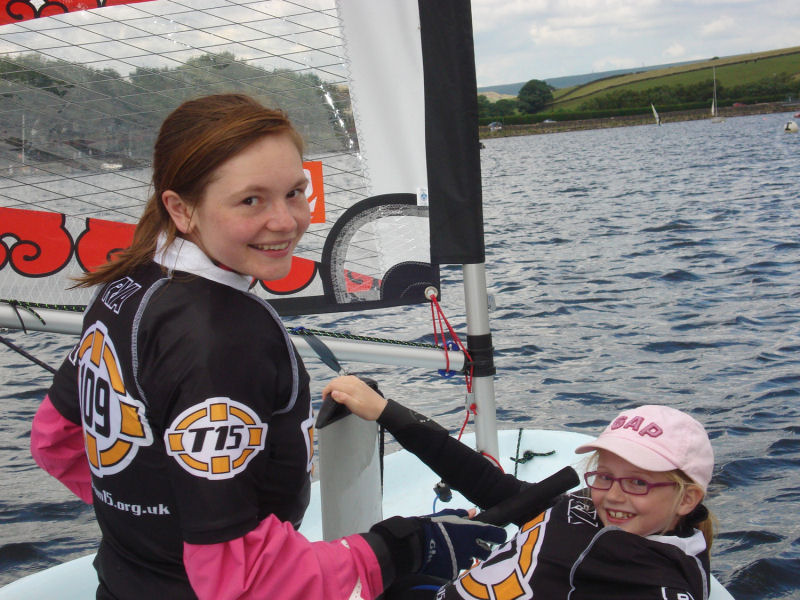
216	438
506	573
315	193
114	423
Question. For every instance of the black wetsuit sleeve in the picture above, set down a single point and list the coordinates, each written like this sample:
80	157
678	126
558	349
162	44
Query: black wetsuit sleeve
63	392
458	465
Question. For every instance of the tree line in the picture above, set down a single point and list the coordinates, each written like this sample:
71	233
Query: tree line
61	111
531	98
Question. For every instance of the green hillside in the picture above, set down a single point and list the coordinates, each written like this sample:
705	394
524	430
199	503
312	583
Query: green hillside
731	72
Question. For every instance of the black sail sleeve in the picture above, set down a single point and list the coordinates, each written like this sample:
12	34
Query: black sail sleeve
458	465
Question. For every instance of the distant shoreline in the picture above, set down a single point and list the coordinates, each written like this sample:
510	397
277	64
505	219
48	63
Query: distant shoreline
644	119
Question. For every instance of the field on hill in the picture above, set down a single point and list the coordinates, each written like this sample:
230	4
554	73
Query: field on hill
730	71
495	96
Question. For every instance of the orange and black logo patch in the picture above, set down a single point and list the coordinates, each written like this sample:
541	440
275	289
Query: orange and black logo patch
505	575
216	438
114	422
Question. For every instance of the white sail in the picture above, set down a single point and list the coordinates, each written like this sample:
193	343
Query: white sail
715	118
376	108
655	114
76	175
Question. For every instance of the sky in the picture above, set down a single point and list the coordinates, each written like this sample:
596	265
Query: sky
520	40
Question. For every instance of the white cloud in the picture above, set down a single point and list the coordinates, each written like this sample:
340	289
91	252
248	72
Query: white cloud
491	15
518	40
546	35
675	51
719	26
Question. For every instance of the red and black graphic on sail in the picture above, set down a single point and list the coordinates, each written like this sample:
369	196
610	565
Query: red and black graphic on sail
100	241
38	244
14	11
34	243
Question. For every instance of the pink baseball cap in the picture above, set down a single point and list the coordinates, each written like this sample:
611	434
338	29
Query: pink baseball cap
658	438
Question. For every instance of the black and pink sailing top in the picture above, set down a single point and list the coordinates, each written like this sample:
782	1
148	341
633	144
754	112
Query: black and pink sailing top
183	415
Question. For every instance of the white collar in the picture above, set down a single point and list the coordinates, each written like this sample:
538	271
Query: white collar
183	255
692	545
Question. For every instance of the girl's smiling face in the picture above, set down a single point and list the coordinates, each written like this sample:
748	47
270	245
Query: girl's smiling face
253	212
655	512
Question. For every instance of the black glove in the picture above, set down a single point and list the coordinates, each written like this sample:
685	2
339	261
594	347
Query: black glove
452	541
440	545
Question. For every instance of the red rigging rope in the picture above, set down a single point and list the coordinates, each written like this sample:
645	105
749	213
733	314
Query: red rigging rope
438	316
470	409
494	460
440	322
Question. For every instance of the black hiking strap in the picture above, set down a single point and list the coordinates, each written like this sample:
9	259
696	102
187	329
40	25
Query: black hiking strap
325	354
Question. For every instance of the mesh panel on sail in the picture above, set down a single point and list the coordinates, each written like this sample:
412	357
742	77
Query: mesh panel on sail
83	95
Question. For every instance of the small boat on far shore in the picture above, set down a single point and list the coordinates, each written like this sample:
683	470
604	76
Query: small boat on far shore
715	118
655	114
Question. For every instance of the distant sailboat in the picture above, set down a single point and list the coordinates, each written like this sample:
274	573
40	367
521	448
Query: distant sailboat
655	114
715	118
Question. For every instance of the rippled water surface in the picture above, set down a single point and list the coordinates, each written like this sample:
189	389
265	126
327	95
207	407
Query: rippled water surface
628	266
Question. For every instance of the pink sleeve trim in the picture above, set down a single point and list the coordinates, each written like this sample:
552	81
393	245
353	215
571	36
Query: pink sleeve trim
275	561
57	447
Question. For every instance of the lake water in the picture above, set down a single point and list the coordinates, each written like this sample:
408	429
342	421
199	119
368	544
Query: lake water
628	266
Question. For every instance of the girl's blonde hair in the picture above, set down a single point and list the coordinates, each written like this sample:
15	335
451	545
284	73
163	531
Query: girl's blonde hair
195	139
701	517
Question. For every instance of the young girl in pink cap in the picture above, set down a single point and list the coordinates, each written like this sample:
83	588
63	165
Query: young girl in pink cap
639	530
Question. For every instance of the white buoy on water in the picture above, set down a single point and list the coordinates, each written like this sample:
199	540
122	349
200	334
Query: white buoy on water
791	127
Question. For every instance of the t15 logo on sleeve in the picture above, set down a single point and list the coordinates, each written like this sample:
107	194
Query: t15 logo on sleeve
114	423
216	439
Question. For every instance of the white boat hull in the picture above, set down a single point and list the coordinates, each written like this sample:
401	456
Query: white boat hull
408	490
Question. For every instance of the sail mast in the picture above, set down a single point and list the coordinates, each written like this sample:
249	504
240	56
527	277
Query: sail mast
454	184
450	178
479	344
